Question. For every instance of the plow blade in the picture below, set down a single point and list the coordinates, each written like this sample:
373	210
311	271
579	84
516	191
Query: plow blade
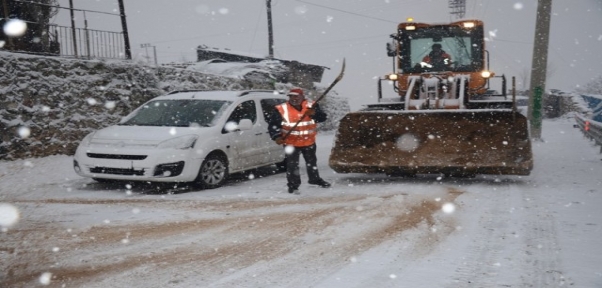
451	142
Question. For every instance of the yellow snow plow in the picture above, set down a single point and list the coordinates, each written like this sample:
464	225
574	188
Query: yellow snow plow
445	118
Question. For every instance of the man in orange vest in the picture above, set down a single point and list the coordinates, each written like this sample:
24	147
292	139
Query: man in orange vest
301	139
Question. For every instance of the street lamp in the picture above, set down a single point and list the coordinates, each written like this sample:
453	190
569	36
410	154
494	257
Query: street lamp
145	46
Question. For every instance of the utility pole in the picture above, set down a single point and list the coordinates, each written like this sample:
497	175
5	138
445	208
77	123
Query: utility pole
539	66
126	38
270	33
73	28
458	8
6	14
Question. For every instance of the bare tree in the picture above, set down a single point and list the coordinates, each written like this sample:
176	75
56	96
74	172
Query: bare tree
37	15
592	87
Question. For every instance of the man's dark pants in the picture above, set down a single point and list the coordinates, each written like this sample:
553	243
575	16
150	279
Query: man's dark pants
292	166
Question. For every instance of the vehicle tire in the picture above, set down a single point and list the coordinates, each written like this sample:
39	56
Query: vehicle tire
213	172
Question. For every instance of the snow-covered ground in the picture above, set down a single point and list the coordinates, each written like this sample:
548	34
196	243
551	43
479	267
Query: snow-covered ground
541	230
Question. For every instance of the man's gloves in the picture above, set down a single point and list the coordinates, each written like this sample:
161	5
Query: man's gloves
279	140
310	112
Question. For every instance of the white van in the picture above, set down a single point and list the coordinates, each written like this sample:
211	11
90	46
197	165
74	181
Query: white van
185	136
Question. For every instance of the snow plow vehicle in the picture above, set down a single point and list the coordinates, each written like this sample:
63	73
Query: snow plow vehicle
445	116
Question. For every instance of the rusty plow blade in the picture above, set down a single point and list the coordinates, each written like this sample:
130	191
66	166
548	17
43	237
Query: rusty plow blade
452	142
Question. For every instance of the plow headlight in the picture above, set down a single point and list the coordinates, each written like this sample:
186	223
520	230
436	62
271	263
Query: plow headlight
485	74
392	77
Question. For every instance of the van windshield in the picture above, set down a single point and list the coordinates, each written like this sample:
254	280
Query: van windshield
178	113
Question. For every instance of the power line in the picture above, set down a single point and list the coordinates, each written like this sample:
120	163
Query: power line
60	7
348	12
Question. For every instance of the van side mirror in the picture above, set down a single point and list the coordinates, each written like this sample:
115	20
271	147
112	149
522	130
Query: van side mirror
245	124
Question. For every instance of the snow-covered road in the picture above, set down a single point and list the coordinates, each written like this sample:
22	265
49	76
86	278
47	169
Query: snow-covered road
542	230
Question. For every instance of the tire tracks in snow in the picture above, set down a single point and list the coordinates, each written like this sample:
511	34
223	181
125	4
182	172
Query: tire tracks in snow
516	236
220	242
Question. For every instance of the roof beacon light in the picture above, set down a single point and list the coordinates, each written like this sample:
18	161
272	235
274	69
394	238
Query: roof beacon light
469	25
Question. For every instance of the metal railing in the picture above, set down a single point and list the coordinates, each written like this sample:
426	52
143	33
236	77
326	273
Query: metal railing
89	43
591	129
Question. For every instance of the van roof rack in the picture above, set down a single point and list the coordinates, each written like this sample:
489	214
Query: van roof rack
241	92
188	90
247	92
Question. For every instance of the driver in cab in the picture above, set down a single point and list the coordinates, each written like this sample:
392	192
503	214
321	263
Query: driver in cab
437	58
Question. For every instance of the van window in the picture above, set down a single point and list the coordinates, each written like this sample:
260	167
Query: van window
244	110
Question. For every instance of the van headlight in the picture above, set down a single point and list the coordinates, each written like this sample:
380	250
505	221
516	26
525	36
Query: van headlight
182	142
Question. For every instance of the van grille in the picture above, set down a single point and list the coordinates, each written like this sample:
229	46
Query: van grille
117	156
117	171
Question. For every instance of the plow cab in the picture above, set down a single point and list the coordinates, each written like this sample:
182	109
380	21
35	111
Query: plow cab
446	116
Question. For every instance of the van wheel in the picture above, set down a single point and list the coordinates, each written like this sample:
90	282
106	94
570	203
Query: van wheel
213	172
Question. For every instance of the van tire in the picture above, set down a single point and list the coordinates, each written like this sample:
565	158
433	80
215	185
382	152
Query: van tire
213	172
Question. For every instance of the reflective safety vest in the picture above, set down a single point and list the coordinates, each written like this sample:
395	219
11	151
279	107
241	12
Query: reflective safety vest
305	133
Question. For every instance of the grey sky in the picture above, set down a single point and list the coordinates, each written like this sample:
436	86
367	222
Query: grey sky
326	31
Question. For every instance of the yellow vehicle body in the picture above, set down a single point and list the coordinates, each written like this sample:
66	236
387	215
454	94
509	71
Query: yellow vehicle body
445	119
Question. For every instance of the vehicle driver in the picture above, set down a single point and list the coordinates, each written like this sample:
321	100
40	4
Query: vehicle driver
437	58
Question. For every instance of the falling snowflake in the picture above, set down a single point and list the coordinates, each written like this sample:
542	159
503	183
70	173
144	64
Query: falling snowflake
15	27
289	149
24	132
9	215
231	126
45	278
448	208
407	142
